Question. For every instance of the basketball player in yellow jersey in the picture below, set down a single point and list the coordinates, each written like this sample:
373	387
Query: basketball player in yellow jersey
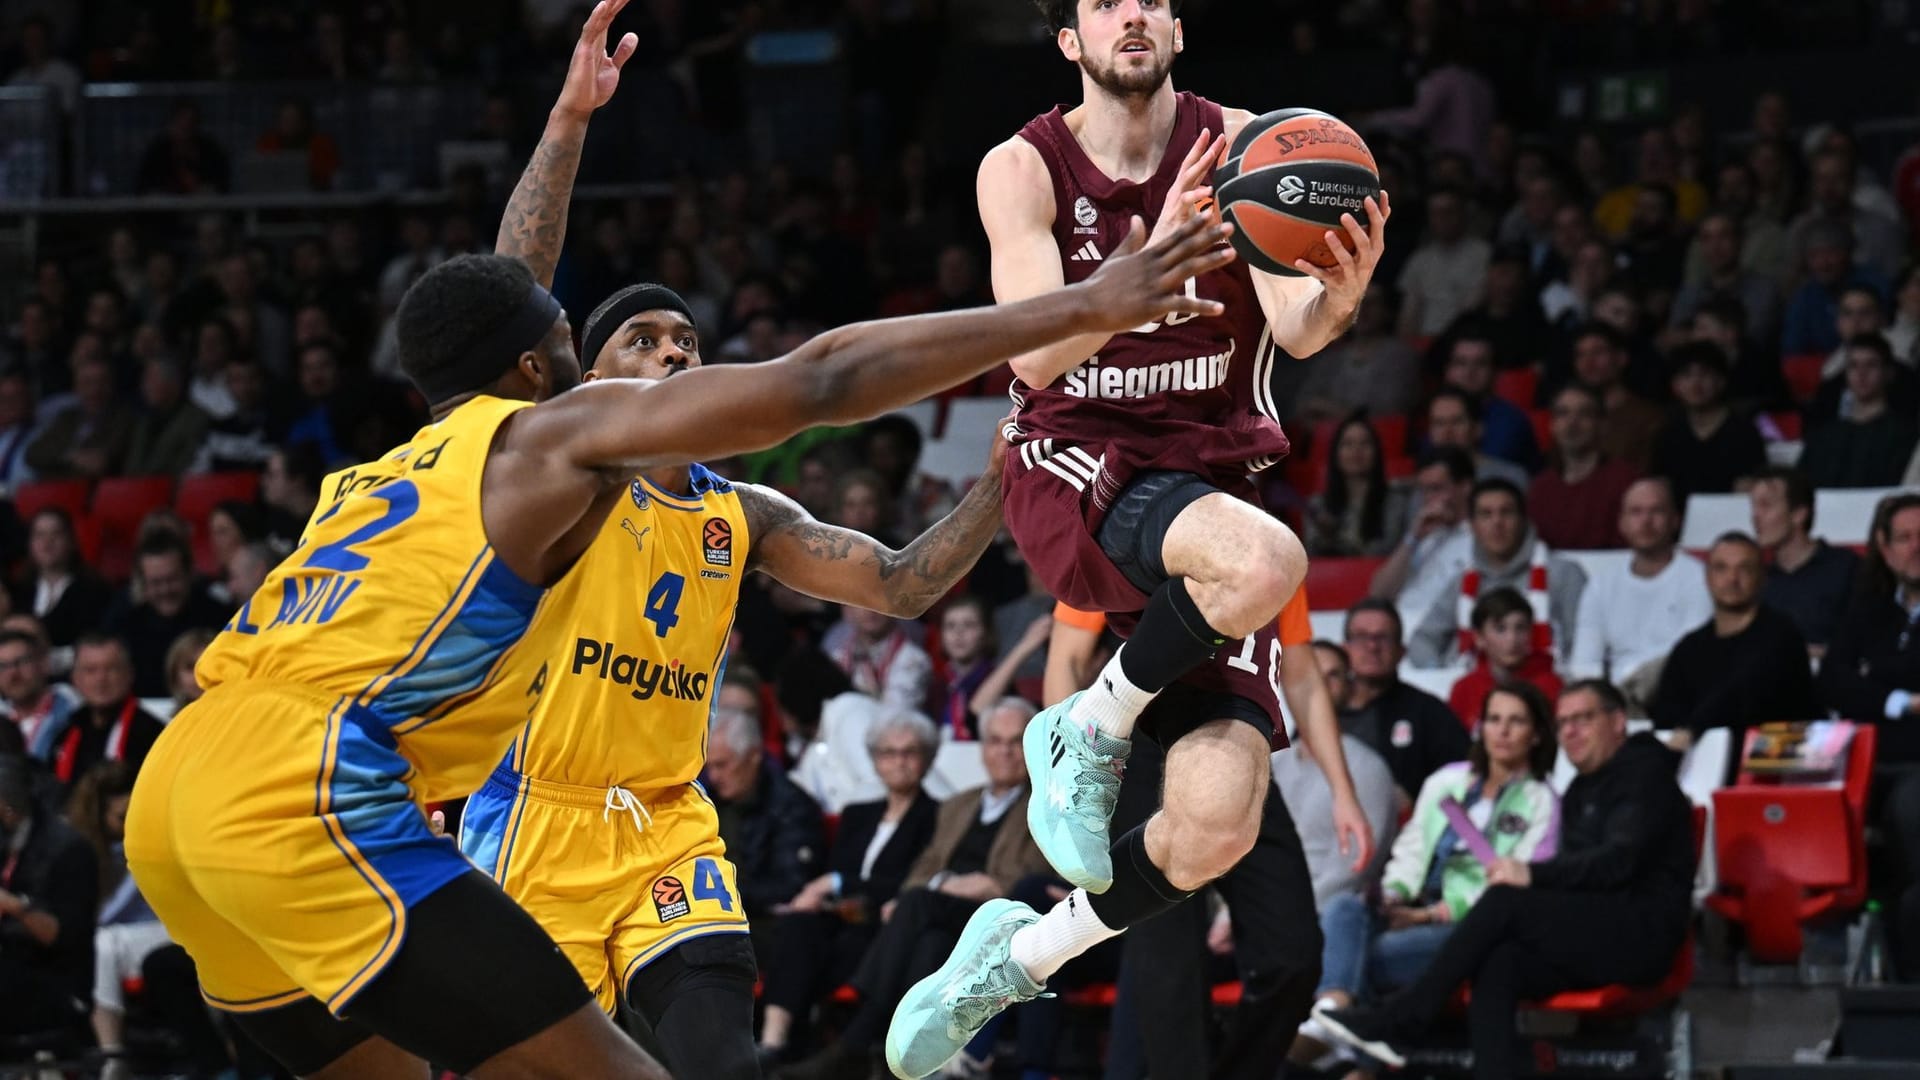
276	827
594	823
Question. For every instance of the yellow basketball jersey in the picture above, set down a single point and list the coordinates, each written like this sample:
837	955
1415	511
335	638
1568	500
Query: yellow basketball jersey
634	643
395	601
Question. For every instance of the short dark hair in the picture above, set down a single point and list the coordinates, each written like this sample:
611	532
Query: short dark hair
1611	699
1735	536
1458	463
1497	604
1876	344
1333	647
1865	290
1798	487
454	307
1596	397
1065	14
1381	606
1497	484
162	542
1724	308
1699	354
1615	339
1546	747
304	462
21	637
98	640
1469	403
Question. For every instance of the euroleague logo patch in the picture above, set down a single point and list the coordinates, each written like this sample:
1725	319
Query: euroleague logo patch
1291	190
669	899
717	534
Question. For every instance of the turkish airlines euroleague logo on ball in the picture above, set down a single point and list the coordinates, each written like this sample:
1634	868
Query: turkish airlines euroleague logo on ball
669	898
718	537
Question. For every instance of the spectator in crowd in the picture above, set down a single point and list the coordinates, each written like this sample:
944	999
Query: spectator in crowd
1358	512
1029	648
321	422
891	445
1505	431
1510	319
1904	333
968	647
171	603
1370	369
1504	551
1434	551
1632	613
880	657
1622	874
1871	445
1811	321
1506	649
182	657
40	66
861	502
27	698
1600	357
1413	730
87	438
183	160
58	587
246	570
1808	580
1659	172
289	492
773	832
1857	314
110	725
169	430
980	850
1718	243
1879	243
1309	797
1706	447
1757	383
1653	249
49	893
293	133
1432	880
247	436
1445	275
1012	619
128	930
1763	239
1746	666
215	347
1576	498
820	936
261	328
17	428
232	525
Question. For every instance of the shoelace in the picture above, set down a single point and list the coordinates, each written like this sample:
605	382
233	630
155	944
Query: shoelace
619	798
1099	787
979	1002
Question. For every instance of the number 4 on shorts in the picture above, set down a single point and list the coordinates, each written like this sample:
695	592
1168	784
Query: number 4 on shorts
710	884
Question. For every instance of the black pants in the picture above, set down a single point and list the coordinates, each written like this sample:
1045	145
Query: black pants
925	927
1901	817
1164	973
33	1001
809	955
1518	944
172	997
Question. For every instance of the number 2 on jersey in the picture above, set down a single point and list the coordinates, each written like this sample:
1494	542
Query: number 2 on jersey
663	601
403	501
710	884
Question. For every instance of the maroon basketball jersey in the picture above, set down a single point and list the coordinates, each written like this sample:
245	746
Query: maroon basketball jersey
1185	392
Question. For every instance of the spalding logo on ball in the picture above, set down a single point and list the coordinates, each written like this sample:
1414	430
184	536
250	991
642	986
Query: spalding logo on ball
1287	179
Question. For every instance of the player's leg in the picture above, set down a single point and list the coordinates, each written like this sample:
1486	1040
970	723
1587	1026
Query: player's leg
698	998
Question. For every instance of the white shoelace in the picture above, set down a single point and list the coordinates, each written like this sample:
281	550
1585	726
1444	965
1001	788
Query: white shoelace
619	798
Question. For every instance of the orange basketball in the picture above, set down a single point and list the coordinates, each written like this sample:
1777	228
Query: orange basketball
1287	179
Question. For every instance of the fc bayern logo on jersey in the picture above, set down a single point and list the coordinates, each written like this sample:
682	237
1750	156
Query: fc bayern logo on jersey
639	493
1083	210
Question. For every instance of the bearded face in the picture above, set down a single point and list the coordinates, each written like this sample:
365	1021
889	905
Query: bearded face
1125	46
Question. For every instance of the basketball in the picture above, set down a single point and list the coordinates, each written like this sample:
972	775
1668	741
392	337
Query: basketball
1288	177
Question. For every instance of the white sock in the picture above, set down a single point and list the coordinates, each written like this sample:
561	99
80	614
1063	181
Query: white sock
1112	703
1063	933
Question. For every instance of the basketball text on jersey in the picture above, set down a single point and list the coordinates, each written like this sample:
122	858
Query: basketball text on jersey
1090	380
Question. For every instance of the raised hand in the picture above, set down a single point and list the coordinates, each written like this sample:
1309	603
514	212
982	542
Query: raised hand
1191	193
1346	281
1141	282
592	74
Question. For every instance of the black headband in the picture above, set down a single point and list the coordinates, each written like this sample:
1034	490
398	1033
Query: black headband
497	352
615	310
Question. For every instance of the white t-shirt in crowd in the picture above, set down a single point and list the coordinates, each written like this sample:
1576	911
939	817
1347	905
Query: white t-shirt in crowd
1627	620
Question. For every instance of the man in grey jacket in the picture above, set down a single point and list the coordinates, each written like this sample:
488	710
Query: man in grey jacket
1505	552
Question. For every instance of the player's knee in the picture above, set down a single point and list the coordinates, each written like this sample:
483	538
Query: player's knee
1279	569
1208	841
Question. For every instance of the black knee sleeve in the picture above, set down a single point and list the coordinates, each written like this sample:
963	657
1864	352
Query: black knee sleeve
1140	890
698	998
1172	639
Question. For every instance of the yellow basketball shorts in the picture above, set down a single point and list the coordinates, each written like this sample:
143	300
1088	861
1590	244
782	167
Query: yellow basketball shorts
273	832
618	877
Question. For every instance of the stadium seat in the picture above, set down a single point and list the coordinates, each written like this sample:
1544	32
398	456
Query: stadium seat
1393	435
68	495
1708	516
1845	515
1792	853
201	492
1789	424
120	504
1519	386
1338	584
1803	375
1542	428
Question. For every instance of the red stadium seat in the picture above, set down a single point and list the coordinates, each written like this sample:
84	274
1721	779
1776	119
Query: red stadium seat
201	492
68	495
1790	854
1393	435
1338	584
1542	427
1399	467
1518	386
1789	423
1803	375
120	504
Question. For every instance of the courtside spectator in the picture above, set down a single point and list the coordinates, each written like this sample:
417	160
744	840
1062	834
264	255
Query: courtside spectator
1454	420
1600	358
49	893
1431	880
1746	666
1413	730
1504	552
1871	672
1433	553
1506	649
771	828
1505	431
26	696
1808	580
171	603
1358	512
1576	499
59	588
1309	798
1631	613
1611	906
1871	445
1706	447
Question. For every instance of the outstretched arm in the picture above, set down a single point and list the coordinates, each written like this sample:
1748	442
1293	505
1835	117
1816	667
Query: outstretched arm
849	567
535	224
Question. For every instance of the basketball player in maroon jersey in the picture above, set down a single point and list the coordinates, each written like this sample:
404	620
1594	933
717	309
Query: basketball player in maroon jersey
1129	490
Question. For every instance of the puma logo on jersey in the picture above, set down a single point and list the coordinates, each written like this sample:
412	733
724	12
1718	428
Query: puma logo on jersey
639	534
673	679
1087	253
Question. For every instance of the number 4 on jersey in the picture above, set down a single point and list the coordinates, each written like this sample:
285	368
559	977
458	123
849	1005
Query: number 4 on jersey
710	884
663	601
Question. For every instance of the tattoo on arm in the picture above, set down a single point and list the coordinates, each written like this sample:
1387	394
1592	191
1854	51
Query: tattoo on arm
535	224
